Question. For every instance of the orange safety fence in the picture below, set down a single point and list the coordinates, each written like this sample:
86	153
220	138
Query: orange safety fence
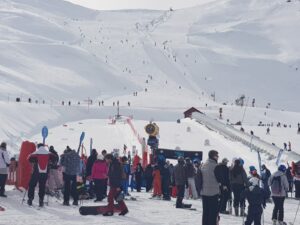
145	151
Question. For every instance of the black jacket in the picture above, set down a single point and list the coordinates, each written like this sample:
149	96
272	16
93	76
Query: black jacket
222	174
90	162
115	173
256	198
180	174
189	170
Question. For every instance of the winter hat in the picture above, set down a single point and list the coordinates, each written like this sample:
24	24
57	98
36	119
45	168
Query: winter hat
254	181
3	145
252	169
212	154
225	160
51	148
282	168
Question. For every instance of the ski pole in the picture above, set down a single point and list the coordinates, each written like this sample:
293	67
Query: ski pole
296	213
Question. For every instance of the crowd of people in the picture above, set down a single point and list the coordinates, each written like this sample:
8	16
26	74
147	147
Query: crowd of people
221	186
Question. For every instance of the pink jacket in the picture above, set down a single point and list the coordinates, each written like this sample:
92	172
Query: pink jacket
99	170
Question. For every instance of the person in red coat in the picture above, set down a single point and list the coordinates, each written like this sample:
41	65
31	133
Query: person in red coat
40	160
99	176
156	182
115	178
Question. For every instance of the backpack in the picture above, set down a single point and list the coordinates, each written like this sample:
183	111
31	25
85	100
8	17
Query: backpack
276	185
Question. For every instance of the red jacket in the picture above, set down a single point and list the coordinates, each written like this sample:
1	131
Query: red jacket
41	158
99	170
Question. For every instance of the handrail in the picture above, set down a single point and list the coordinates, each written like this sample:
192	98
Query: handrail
252	141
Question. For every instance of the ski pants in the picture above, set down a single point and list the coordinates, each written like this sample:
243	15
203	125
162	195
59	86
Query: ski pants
157	187
225	195
192	186
297	188
180	195
165	188
70	187
40	178
113	193
254	215
3	178
210	209
237	191
99	188
278	211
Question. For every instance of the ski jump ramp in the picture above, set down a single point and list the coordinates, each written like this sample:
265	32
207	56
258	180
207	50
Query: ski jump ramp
252	141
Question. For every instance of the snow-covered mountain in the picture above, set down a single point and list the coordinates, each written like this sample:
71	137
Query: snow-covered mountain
54	50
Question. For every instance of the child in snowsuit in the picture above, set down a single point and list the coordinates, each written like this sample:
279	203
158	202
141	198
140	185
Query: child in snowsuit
257	201
156	182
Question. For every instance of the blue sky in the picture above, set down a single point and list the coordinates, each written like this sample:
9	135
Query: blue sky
137	4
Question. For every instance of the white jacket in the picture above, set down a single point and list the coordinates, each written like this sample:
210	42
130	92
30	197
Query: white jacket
4	160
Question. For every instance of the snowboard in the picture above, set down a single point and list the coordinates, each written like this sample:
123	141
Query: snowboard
96	210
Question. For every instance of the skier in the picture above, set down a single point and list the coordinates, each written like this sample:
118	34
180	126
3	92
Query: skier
279	187
210	190
198	177
180	181
54	181
253	172
40	160
148	177
222	173
4	164
89	165
268	131
138	176
265	175
70	161
190	173
256	198
99	175
115	178
238	181
290	178
296	174
125	175
165	181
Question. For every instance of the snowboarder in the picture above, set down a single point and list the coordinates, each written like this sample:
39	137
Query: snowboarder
40	160
256	198
279	187
180	181
115	178
210	190
4	164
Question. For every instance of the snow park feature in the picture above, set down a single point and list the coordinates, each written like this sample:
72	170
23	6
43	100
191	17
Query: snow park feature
108	73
